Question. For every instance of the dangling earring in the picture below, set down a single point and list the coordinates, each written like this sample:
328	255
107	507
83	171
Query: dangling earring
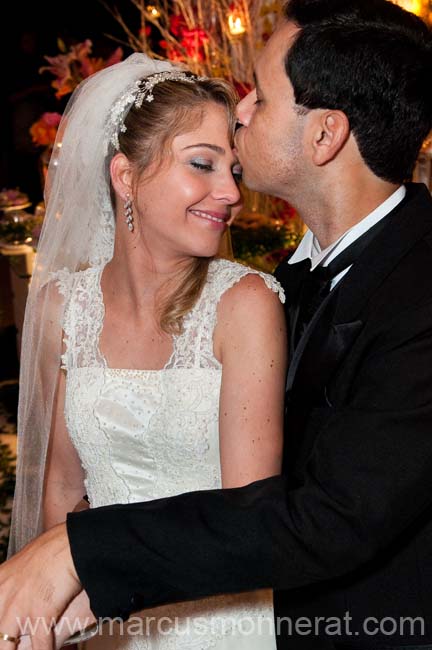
129	213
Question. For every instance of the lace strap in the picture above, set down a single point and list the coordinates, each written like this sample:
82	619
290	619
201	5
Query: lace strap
194	348
63	280
82	318
224	274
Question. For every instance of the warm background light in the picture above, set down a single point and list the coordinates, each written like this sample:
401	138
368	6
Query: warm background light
420	7
235	25
154	11
411	5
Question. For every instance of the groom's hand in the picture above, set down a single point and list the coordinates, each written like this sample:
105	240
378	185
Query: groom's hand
36	585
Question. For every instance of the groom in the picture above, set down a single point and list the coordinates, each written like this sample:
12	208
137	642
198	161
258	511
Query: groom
343	101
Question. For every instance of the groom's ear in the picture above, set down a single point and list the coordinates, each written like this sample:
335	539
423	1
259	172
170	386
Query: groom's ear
121	175
330	131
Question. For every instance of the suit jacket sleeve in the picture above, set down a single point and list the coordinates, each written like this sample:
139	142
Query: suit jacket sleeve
367	480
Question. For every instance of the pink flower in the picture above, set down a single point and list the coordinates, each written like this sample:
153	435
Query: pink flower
44	131
51	119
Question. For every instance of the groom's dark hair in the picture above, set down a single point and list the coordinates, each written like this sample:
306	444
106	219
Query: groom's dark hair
373	61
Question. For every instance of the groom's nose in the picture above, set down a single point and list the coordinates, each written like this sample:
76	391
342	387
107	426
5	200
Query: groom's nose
246	107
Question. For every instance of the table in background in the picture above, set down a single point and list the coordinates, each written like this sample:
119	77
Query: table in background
21	262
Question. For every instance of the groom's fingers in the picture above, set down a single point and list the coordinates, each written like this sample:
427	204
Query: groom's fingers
43	640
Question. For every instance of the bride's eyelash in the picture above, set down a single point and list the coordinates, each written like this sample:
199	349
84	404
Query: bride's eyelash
207	167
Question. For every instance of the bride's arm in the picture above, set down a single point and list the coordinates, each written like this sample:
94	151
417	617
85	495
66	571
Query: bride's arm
78	615
63	492
250	341
64	476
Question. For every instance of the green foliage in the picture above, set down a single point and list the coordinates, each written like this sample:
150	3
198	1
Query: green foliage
264	246
250	242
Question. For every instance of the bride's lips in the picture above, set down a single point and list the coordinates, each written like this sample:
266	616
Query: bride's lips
218	218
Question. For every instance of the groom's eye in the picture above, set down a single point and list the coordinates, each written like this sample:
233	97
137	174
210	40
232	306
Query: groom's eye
237	173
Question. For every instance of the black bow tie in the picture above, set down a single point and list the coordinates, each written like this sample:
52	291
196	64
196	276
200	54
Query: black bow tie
316	284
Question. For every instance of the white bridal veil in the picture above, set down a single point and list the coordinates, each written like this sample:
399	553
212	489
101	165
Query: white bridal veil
78	232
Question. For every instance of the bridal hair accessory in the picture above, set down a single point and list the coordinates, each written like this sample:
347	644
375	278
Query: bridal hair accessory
140	91
8	637
129	213
146	87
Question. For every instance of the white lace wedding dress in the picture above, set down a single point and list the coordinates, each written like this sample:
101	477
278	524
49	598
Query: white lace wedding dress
146	434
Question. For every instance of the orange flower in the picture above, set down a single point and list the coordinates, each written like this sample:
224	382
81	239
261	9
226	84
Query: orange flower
44	131
75	65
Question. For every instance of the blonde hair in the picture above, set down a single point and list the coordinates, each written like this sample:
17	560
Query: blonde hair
150	129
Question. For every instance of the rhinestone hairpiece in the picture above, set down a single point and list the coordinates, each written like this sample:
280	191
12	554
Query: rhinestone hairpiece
140	91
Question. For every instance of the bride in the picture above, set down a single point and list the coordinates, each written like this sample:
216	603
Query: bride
150	366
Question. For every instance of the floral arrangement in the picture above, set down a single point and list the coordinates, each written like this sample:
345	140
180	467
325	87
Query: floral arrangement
72	66
69	68
212	37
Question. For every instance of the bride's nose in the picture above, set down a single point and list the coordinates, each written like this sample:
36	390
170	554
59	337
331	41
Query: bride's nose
227	190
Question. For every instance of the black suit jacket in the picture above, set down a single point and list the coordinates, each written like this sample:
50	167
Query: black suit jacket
346	531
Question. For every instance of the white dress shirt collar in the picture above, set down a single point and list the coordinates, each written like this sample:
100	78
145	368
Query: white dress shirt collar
309	246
